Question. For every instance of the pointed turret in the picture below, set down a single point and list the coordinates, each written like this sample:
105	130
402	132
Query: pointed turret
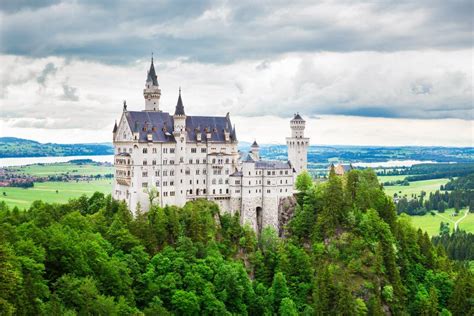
179	105
255	150
152	91
152	78
115	127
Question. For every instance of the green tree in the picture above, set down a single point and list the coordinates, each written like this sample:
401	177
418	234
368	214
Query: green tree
287	308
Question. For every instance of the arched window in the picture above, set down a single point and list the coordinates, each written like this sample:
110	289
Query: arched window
213	181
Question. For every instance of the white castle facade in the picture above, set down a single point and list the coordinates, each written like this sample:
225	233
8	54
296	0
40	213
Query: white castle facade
184	158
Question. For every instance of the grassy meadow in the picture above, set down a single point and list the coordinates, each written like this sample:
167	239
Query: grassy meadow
430	223
46	191
415	187
53	169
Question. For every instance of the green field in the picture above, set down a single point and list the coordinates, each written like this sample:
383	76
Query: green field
46	191
42	170
416	187
430	223
383	179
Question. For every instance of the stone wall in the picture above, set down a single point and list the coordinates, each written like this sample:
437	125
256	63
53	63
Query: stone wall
286	210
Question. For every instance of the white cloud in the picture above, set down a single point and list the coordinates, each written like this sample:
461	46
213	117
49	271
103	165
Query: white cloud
87	96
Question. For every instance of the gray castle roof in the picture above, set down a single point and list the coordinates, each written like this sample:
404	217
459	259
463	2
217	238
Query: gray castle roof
297	117
160	125
152	74
272	164
179	106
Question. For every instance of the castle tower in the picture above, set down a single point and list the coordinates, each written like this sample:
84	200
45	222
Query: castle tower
152	91
298	144
255	150
179	133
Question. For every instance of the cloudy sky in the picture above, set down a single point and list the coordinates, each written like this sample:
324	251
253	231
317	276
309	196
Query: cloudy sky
363	73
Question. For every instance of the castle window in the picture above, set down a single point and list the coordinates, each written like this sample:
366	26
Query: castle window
171	150
153	150
220	181
197	160
273	173
204	161
268	182
165	193
204	171
237	181
213	160
171	162
268	191
144	162
226	181
165	150
171	172
153	162
165	183
165	173
203	150
204	191
171	183
197	171
188	172
193	150
227	160
213	181
144	184
214	191
286	172
165	162
268	173
157	173
144	174
157	183
172	193
145	150
190	161
220	191
190	181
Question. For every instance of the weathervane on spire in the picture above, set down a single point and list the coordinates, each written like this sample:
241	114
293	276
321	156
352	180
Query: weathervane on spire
125	105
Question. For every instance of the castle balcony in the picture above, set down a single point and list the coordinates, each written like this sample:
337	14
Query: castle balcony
124	180
122	159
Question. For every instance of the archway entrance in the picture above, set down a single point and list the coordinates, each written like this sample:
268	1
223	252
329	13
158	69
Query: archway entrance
259	220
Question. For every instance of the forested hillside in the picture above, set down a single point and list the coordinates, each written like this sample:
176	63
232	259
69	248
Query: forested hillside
345	253
19	147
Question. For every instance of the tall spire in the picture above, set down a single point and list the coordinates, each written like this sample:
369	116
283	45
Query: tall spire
152	77
179	106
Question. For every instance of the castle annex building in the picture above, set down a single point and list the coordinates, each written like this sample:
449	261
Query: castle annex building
186	157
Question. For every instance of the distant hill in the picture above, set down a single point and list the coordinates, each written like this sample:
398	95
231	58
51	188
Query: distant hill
19	147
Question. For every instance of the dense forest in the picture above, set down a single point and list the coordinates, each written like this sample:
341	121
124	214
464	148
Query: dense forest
460	196
345	252
427	171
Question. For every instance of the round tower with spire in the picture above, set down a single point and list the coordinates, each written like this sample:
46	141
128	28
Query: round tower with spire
152	91
298	144
255	150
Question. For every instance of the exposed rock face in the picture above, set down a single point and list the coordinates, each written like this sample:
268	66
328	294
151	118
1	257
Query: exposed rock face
286	210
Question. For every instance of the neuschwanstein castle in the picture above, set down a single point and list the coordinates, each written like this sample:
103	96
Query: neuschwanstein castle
191	157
